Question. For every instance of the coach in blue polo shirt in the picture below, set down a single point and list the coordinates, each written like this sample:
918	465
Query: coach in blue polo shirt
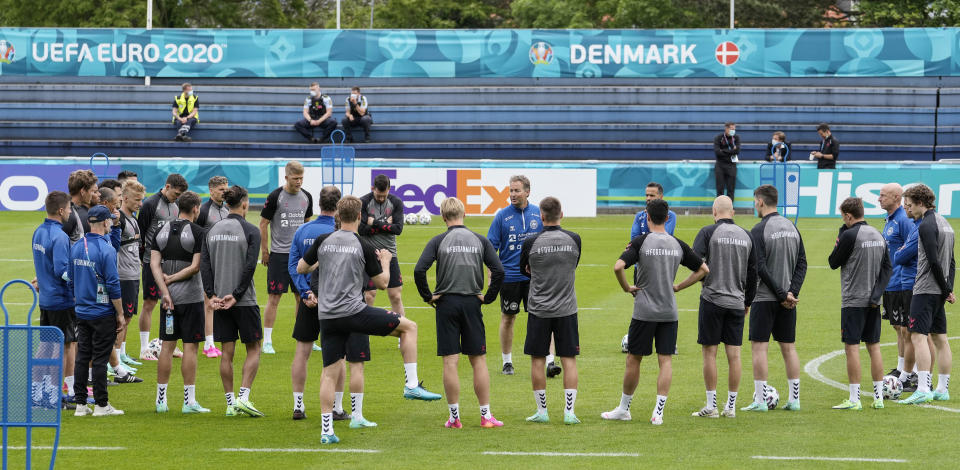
96	287
654	191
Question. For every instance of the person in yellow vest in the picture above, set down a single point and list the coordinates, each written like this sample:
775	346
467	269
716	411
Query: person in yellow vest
186	108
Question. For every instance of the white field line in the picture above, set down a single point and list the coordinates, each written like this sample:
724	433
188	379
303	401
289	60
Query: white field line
828	459
812	369
66	448
296	450
564	454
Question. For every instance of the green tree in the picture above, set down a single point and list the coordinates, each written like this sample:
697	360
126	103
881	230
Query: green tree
907	13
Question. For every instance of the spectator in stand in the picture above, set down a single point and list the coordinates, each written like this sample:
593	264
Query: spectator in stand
317	112
782	152
357	115
186	112
829	149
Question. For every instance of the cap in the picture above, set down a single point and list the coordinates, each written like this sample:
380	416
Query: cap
99	214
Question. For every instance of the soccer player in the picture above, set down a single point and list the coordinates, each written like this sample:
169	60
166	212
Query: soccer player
229	260
306	330
861	254
896	297
157	210
286	208
781	267
654	190
126	175
82	185
551	258
51	262
936	268
175	262
96	288
460	255
511	226
906	256
380	222
725	299
657	255
339	260
128	262
211	212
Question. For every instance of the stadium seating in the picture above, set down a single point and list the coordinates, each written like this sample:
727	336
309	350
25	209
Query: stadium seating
558	120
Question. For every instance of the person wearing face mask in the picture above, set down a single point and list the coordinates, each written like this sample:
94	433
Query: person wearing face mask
317	112
829	150
357	115
186	107
726	147
777	152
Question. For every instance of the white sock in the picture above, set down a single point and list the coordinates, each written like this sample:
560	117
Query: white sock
356	405
244	394
69	381
120	370
625	401
119	354
454	411
731	401
485	411
90	375
904	376
943	382
297	401
760	391
550	358
161	394
794	389
208	341
123	348
338	402
915	371
507	357
268	335
144	340
326	424
540	396
410	374
923	381
36	389
570	398
189	394
929	381
878	390
854	392
230	399
712	399
661	403
900	362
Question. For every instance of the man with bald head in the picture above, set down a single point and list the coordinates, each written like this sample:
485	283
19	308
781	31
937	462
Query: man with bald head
728	291
899	291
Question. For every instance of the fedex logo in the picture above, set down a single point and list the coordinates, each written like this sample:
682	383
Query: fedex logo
467	185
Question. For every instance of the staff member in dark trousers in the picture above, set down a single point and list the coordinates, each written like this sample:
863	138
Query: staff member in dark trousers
726	147
357	115
317	111
186	112
96	288
829	149
777	152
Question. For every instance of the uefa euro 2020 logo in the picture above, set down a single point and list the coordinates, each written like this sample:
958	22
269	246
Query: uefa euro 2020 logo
541	54
6	52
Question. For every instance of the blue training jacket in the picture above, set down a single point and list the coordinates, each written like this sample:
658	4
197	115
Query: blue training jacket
510	227
896	231
906	257
640	224
303	239
51	261
93	268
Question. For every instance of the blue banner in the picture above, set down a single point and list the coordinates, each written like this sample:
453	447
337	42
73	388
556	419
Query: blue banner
497	53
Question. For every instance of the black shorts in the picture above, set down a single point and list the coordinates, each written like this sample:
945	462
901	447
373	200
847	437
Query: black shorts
768	317
150	289
927	315
719	325
396	279
237	322
512	294
306	329
460	327
335	333
860	324
129	297
64	320
896	306
641	336
187	323
564	330
278	275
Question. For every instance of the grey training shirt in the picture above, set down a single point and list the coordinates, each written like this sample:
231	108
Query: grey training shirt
286	212
728	251
344	261
460	255
155	212
936	265
781	259
230	260
658	256
551	257
387	221
861	254
128	257
177	242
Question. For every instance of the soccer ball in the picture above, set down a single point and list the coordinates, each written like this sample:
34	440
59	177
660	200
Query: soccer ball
624	344
410	219
892	388
154	346
425	219
773	398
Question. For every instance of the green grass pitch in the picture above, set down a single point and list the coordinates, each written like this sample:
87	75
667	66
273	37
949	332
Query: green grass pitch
410	434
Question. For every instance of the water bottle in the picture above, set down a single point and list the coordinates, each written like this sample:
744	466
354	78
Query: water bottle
168	320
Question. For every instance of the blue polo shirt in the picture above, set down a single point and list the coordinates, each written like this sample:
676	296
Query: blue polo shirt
302	240
640	224
51	261
896	231
906	258
510	227
93	270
